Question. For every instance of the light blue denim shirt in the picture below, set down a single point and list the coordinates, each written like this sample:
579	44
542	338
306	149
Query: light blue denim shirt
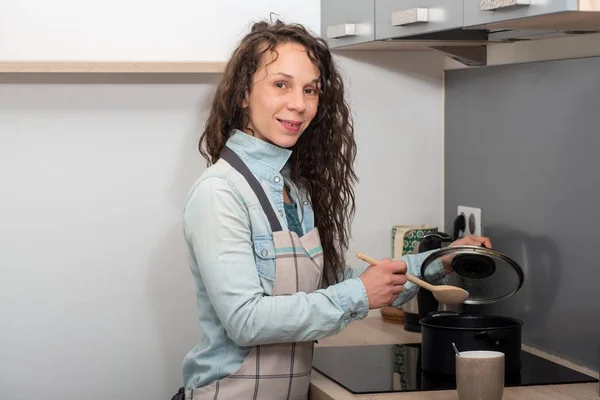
232	261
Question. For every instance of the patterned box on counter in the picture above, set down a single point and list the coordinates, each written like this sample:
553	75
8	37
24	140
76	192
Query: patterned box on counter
406	238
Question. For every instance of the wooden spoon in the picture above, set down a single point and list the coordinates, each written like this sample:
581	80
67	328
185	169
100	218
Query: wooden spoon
445	294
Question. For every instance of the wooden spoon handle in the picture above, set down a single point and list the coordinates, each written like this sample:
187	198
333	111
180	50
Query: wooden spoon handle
410	278
366	258
420	282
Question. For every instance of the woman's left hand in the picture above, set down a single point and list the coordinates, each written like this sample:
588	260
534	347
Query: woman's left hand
473	241
465	241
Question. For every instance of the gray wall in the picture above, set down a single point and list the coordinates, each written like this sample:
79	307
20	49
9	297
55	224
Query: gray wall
523	143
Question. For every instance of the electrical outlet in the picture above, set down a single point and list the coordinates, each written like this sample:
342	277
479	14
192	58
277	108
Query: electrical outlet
473	224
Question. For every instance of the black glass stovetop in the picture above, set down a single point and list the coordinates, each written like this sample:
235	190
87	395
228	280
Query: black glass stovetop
397	368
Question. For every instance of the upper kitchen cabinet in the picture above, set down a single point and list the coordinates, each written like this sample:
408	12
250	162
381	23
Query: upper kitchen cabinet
461	29
565	15
395	24
402	25
396	19
347	22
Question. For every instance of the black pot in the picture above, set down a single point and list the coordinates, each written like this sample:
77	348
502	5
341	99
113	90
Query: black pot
468	332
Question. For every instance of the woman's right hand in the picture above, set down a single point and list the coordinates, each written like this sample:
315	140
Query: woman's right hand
383	282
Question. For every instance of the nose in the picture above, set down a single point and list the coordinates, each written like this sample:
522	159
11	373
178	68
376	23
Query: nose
296	101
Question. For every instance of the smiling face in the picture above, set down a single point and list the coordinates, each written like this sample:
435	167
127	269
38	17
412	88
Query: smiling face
284	96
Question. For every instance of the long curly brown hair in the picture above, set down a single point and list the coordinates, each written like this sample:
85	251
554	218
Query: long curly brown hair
323	157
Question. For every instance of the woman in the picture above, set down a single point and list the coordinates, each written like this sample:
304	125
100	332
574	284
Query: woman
267	223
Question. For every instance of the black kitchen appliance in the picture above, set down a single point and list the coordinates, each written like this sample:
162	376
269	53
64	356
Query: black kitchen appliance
423	304
397	368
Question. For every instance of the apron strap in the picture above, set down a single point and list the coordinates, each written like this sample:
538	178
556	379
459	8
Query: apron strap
236	162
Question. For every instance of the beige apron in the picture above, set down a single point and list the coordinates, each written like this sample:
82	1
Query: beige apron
274	371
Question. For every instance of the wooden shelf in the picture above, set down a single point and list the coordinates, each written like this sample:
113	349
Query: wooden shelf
111	67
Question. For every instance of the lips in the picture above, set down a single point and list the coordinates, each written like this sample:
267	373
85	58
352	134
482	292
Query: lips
290	125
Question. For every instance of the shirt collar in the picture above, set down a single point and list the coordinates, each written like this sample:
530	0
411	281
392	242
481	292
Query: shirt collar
257	151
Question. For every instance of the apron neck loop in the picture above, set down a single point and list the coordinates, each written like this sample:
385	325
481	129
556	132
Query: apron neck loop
236	162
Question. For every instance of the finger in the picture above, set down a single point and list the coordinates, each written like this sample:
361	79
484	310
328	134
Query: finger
473	240
398	267
383	261
398	279
398	289
470	240
483	240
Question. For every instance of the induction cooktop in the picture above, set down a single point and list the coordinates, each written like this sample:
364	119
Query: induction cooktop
397	368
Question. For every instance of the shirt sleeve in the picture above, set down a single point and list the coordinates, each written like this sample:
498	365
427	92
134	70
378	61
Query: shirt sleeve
435	272
353	272
217	230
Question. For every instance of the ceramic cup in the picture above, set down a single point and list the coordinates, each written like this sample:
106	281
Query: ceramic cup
480	375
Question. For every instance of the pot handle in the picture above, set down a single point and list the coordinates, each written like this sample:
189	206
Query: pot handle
441	313
493	338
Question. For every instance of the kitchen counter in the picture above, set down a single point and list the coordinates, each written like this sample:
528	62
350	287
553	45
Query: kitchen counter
373	330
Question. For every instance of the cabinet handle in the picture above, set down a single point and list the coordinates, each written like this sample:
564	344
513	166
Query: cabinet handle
341	30
491	5
410	16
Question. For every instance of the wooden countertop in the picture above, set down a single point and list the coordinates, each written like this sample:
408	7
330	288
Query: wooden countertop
373	330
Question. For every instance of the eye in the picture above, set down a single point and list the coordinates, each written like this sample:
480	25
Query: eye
311	91
280	85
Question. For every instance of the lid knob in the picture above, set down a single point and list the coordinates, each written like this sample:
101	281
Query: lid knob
473	266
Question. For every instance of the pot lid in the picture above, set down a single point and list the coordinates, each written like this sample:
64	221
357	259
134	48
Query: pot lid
488	275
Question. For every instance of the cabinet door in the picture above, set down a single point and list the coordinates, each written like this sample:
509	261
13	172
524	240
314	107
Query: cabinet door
347	22
398	18
480	12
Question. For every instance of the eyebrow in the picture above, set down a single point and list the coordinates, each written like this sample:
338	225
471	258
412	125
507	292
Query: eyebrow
291	77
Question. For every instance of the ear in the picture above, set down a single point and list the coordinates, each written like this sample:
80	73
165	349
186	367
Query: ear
245	101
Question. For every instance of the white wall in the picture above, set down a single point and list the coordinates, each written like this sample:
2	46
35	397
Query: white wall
94	294
200	30
397	100
96	300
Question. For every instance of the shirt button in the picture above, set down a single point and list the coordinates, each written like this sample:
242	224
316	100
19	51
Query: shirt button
277	179
353	315
264	253
281	212
305	202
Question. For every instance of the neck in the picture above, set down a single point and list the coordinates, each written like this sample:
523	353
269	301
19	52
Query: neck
253	132
286	197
